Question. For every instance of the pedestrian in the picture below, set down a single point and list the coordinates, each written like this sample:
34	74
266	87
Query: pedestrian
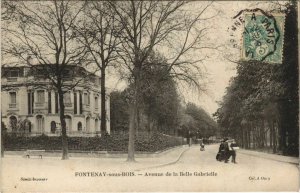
189	139
219	154
226	150
202	146
223	151
232	147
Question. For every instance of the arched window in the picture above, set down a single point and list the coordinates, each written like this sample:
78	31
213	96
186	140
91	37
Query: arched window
40	123
3	127
13	123
97	127
79	126
27	126
88	124
68	119
53	126
96	103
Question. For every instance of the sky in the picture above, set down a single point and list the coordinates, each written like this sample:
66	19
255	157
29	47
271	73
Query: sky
218	68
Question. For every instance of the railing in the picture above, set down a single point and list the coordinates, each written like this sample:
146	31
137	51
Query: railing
24	133
70	134
86	107
12	79
12	105
68	105
82	134
39	104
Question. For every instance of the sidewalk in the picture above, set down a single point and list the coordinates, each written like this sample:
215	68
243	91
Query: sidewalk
280	158
107	159
101	154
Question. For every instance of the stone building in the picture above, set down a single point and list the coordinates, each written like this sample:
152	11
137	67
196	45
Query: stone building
30	105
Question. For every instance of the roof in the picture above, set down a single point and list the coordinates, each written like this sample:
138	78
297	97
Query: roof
80	69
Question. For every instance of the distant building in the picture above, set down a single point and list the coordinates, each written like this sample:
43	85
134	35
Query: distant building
30	105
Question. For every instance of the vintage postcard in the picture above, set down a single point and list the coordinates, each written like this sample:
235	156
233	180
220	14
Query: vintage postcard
149	96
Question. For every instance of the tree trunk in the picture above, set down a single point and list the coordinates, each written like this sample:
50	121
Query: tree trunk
2	142
271	135
254	135
249	137
274	137
132	125
263	137
150	123
103	109
240	138
246	139
138	122
133	121
63	125
282	140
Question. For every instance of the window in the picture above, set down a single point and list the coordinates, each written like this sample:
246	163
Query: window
27	126
40	123
80	104
53	126
40	96
30	102
14	73
75	103
67	98
86	99
96	103
49	103
68	119
13	123
13	97
97	128
79	126
88	124
67	73
56	102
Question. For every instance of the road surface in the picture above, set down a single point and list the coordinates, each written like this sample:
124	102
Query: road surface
193	171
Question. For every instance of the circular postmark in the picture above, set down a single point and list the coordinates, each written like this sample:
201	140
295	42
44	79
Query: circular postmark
260	36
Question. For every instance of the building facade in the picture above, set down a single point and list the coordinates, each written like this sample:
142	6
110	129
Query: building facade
30	104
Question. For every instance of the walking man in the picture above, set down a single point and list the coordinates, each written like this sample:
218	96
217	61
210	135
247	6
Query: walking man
232	147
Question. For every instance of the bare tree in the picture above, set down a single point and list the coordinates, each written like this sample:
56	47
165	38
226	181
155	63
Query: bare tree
42	37
165	25
7	10
98	32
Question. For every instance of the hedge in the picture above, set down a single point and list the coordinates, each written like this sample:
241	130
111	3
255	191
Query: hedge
145	143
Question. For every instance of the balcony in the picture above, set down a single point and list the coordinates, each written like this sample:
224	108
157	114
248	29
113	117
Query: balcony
68	105
39	105
12	79
12	105
86	107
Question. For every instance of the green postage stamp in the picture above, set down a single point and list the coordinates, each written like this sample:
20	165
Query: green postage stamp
263	37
